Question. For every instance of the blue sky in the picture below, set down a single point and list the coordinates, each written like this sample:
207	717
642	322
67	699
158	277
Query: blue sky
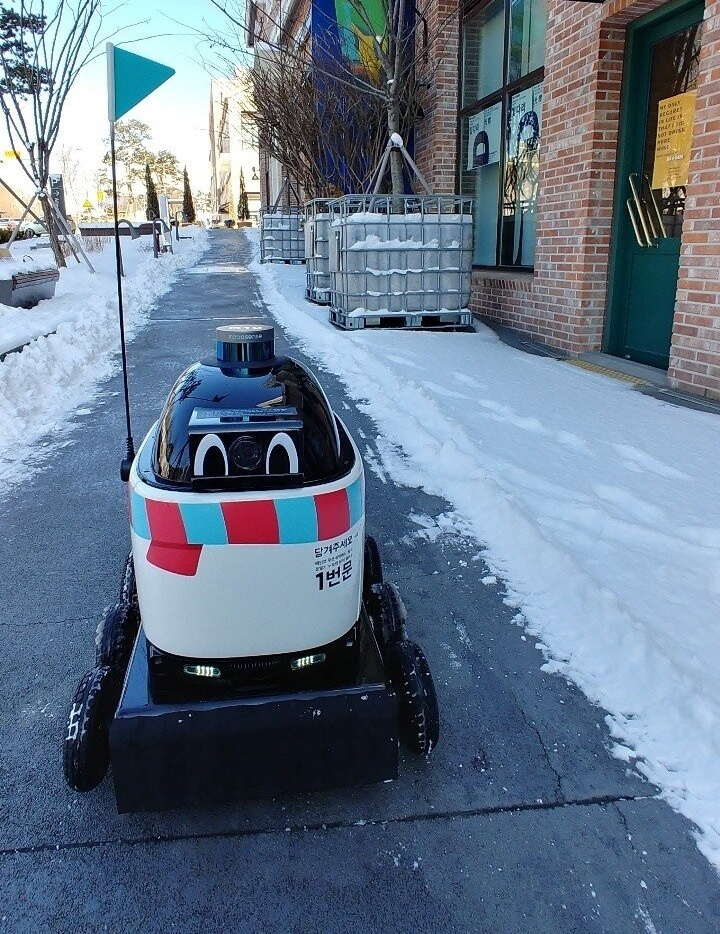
177	112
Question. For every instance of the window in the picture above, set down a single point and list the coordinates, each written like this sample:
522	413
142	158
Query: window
500	121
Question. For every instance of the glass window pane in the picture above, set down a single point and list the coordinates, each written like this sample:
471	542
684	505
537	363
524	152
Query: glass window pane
673	79
480	177
522	164
483	50
528	19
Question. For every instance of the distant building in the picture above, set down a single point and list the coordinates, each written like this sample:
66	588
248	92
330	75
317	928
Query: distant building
233	150
14	177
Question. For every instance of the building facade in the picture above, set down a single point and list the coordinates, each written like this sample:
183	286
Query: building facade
234	158
588	135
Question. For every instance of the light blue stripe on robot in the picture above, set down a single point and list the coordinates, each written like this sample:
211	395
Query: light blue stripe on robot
204	523
297	520
355	500
139	517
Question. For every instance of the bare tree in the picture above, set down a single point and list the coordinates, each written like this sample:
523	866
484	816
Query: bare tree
327	134
390	64
69	164
43	46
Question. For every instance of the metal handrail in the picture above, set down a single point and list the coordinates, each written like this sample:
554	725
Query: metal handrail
160	225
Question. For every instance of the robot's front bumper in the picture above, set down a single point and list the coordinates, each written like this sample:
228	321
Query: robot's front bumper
167	755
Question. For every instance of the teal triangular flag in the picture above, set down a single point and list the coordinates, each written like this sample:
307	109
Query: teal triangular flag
131	79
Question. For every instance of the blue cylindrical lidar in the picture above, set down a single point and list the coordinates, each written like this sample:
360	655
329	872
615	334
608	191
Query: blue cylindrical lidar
245	343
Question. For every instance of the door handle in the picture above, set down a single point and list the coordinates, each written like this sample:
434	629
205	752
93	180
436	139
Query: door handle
639	206
634	221
654	215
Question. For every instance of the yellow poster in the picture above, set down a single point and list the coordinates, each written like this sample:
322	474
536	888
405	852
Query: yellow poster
676	116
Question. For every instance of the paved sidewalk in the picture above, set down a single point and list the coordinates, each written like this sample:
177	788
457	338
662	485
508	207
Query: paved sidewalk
520	822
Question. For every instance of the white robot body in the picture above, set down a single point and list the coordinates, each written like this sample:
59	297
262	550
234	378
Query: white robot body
234	574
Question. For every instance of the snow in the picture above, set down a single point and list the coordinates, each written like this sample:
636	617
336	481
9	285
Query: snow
373	242
22	263
594	506
58	373
373	217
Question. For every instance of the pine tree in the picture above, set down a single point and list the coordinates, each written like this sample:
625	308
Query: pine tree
188	206
243	208
152	206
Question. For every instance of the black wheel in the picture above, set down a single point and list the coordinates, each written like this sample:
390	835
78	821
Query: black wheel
86	755
115	638
128	593
388	615
119	627
410	676
372	568
28	234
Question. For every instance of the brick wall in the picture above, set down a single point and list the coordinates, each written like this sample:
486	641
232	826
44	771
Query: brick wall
435	136
695	351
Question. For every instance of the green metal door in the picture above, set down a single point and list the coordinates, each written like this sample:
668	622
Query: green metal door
663	52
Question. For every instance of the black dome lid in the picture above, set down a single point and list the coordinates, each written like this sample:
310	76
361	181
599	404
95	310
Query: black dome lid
250	424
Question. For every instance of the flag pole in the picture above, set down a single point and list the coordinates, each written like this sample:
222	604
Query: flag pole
130	79
130	445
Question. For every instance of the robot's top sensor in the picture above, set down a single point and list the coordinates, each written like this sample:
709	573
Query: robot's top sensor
245	343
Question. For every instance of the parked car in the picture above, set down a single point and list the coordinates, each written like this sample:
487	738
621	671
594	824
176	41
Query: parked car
31	228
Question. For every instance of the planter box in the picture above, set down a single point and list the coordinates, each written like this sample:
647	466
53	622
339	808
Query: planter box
26	289
393	255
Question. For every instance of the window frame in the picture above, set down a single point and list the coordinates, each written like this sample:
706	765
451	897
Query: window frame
503	94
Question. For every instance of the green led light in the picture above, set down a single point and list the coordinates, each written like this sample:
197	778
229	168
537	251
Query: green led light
307	660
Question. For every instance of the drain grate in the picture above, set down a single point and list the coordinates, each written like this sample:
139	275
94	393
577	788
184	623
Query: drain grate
606	371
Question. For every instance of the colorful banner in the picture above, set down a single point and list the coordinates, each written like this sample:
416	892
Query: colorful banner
673	140
347	31
346	35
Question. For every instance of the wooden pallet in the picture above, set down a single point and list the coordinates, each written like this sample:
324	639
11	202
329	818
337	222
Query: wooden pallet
413	321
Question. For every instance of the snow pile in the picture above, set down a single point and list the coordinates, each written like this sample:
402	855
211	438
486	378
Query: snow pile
56	373
606	535
24	263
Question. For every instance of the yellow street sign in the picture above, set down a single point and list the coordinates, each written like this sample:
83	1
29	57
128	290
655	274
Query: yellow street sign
12	154
87	205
